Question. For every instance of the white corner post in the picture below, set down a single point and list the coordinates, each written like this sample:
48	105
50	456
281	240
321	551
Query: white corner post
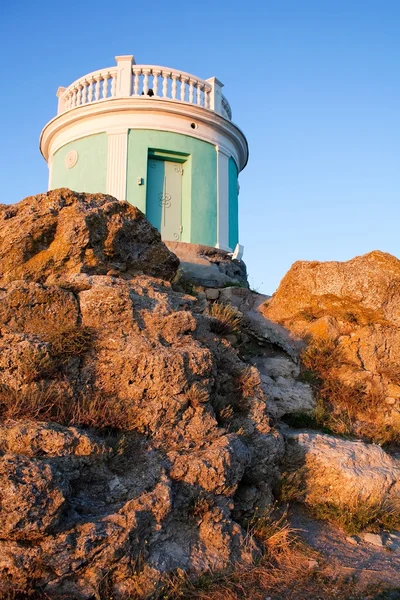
50	166
222	199
117	155
215	94
61	102
124	75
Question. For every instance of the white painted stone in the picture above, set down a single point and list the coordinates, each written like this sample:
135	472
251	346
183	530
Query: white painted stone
373	538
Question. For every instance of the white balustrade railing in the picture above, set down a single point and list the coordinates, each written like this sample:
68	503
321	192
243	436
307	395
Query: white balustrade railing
148	81
100	85
161	82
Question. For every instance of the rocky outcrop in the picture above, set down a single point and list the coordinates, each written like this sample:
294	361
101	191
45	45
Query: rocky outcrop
130	432
342	472
63	232
208	267
369	283
349	311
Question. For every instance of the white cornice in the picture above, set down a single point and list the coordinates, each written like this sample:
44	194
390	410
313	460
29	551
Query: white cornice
144	113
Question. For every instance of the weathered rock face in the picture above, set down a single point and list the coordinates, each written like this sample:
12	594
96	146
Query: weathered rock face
342	471
206	266
370	282
63	232
162	429
355	304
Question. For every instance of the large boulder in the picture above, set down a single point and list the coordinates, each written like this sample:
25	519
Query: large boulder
348	315
342	472
368	284
65	232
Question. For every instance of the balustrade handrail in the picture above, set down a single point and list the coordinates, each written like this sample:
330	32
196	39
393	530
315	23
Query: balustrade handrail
164	83
101	72
173	72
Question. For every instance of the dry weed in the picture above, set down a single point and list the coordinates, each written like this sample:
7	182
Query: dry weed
360	514
197	394
66	342
224	318
341	408
391	371
38	403
247	382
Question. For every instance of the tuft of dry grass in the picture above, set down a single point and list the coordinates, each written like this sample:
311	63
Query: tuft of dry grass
247	381
197	394
225	319
321	356
200	506
68	341
51	403
360	515
391	371
61	343
308	485
38	403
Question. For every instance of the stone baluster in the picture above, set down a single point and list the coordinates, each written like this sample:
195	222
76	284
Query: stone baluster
79	95
113	85
146	73
90	95
84	92
97	88
105	85
165	75
136	82
184	80
199	87
173	87
191	90
156	74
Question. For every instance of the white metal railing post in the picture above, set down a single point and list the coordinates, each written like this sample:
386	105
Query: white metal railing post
215	94
124	75
61	100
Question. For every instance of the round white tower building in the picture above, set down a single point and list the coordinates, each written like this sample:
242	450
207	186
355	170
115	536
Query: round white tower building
159	138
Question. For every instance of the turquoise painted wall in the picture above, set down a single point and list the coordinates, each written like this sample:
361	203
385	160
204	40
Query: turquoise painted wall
199	184
233	204
90	172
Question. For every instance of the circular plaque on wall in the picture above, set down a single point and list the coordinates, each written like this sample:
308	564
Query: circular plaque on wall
71	159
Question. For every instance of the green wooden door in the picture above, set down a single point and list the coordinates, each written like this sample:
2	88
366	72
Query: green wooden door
164	198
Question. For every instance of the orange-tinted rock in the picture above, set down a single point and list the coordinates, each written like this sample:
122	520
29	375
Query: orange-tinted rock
64	232
357	305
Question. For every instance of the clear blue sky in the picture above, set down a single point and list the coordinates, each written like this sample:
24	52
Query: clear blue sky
314	84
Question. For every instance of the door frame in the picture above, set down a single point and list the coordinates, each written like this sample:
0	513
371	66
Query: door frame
184	160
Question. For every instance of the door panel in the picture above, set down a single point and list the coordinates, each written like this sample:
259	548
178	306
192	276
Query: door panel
164	198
